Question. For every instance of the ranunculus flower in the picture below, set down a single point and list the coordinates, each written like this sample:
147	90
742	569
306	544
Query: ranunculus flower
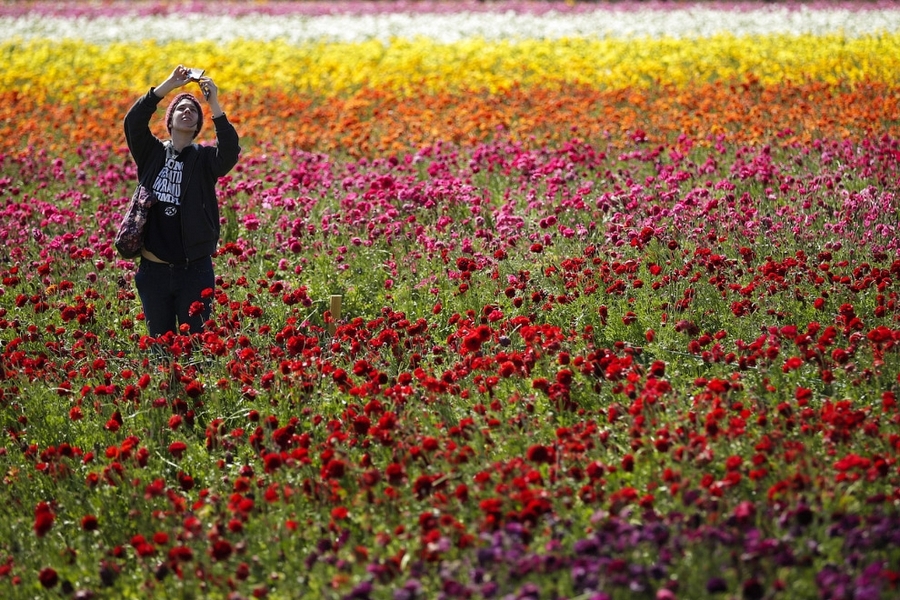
541	454
221	550
177	449
48	577
193	389
44	517
89	523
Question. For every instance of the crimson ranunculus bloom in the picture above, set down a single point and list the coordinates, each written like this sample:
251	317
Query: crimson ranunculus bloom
272	462
48	577
196	308
89	523
43	519
541	454
335	469
193	389
221	550
177	449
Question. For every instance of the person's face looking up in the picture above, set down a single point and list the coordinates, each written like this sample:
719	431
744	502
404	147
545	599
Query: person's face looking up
185	116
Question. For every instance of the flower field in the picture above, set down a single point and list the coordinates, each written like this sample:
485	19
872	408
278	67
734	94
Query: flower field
514	300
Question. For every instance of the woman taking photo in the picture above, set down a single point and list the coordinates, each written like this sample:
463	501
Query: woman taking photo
175	278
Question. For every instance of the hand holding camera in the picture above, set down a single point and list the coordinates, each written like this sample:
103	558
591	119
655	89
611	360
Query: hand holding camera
205	83
182	75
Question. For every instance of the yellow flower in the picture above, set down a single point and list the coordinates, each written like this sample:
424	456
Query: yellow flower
69	70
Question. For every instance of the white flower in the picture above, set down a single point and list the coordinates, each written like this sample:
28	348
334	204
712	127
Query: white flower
687	22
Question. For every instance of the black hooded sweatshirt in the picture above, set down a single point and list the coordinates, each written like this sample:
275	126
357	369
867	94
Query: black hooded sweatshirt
186	227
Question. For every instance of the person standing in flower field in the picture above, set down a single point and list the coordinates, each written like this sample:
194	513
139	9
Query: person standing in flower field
175	278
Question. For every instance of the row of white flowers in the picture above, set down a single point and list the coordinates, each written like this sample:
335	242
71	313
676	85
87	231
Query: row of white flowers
687	22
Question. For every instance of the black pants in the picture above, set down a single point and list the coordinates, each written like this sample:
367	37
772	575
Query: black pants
168	293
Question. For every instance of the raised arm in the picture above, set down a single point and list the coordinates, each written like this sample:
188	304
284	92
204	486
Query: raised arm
138	136
228	147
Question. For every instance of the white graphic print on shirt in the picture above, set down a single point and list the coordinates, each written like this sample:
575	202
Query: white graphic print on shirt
168	183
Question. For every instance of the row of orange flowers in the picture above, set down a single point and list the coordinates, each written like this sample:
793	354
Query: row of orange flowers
378	121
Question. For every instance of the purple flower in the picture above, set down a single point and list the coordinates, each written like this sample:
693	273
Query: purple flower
589	546
716	585
410	590
753	590
362	591
489	589
529	591
486	556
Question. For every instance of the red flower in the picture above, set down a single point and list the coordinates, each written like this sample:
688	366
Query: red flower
462	492
195	308
395	473
181	554
43	519
283	436
177	449
272	462
193	389
541	454
792	364
185	481
423	485
361	424
142	547
221	550
89	523
48	577
540	384
242	572
471	343
335	469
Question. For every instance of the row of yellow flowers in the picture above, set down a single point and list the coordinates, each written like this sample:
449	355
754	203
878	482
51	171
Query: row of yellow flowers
65	71
369	97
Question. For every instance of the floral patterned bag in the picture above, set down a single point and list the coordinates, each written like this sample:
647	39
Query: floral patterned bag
130	237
